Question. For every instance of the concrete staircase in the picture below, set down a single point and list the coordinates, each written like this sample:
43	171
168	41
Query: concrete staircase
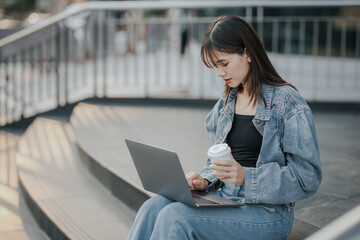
79	182
77	176
65	199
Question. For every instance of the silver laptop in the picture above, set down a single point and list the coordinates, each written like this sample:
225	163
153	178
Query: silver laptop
160	172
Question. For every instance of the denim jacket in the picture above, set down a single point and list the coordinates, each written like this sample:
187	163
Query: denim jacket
288	166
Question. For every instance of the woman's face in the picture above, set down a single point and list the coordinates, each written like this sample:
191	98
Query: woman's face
232	67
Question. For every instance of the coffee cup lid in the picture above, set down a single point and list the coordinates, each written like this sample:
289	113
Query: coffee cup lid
218	149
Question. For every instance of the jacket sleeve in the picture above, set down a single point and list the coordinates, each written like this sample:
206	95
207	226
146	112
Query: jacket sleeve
215	183
211	122
300	177
212	118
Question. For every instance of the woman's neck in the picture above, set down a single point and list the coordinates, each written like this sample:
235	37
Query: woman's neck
243	104
244	89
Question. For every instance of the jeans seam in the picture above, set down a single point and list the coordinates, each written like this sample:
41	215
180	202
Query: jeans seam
229	220
173	230
289	225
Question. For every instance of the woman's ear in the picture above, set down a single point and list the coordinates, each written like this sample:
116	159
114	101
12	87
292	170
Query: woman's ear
247	55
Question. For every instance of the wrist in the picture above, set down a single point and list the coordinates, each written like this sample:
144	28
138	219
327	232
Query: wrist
207	182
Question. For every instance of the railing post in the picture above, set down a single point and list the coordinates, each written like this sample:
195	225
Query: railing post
343	51
315	52
357	52
95	51
14	92
302	37
57	63
6	96
66	63
357	40
22	81
288	30
49	65
249	13
104	51
260	22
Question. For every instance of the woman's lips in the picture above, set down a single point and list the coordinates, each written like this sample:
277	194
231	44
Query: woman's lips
227	80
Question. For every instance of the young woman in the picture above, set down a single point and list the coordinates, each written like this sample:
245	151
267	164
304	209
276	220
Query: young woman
275	157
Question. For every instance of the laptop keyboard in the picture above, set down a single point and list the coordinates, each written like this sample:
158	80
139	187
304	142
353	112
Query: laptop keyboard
199	200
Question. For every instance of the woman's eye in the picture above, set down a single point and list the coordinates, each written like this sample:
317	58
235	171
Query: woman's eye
224	65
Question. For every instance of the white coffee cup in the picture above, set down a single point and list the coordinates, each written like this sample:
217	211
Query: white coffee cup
219	152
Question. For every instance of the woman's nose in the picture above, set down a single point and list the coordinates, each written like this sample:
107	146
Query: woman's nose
220	72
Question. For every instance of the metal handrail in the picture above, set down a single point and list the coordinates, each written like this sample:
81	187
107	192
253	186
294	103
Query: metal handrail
132	5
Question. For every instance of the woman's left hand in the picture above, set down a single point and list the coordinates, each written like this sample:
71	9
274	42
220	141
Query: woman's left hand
228	171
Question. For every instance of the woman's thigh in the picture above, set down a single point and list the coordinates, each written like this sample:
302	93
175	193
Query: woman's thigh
151	208
143	225
246	222
156	203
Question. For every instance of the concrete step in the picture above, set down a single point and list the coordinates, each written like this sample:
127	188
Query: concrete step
16	221
66	200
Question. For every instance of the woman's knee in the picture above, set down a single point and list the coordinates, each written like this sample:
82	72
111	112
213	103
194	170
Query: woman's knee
171	223
173	212
156	203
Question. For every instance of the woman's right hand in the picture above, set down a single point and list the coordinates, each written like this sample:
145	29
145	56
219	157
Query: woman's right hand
195	181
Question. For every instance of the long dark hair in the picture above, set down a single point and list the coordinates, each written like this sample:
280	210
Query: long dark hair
232	34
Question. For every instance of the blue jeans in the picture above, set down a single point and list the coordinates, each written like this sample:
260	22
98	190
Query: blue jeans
160	218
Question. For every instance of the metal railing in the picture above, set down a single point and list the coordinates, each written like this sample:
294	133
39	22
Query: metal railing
151	49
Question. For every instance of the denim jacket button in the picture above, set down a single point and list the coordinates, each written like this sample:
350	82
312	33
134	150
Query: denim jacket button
258	121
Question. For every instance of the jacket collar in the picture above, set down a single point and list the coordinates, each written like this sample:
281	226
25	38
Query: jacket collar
229	108
262	112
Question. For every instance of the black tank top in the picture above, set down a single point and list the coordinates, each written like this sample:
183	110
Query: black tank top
244	140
